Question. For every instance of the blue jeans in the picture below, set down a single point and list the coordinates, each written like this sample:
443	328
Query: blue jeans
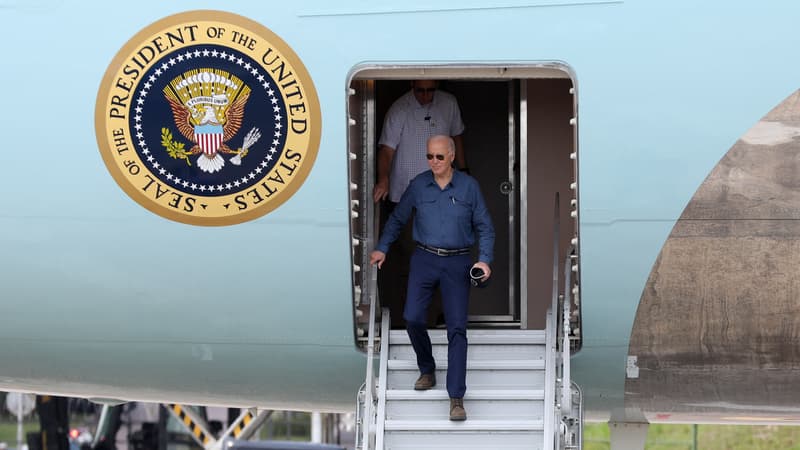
451	274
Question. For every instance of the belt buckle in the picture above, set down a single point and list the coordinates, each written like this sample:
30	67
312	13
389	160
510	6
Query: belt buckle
441	252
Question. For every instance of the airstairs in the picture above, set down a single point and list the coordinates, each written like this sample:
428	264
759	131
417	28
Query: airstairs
504	403
513	401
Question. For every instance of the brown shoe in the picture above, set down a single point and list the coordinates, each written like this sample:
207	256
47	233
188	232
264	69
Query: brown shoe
457	411
425	382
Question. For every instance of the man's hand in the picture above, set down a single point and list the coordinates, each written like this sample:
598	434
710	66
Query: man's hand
378	257
381	190
486	270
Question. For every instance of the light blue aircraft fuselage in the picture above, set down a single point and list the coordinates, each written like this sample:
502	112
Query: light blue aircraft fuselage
101	298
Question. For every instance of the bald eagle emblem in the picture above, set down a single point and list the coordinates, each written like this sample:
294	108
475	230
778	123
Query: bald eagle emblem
208	107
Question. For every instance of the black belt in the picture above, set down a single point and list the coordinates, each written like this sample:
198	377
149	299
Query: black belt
443	251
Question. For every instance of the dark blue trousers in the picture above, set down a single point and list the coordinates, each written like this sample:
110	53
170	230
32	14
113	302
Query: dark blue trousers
451	274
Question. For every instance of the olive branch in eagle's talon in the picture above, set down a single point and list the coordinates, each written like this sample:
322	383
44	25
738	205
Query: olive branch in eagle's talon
174	149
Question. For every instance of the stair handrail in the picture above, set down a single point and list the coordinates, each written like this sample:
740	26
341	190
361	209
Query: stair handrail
358	433
566	303
577	416
383	368
368	431
549	383
551	340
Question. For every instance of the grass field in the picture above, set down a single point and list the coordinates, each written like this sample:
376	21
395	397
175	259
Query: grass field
8	431
709	437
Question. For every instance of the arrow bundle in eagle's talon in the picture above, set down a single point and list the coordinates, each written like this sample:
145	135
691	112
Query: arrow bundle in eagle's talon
251	138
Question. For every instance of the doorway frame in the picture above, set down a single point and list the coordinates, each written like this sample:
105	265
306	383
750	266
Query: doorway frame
476	71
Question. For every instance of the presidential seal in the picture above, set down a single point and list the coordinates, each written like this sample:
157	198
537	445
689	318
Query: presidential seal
208	118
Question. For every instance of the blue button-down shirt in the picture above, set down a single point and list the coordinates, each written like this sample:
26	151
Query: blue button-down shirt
446	218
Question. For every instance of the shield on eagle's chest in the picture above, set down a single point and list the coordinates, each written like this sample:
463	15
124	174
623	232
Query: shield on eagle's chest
209	138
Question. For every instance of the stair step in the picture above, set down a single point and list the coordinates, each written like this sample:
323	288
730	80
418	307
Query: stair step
464	440
478	337
476	379
480	404
486	352
497	365
472	394
467	425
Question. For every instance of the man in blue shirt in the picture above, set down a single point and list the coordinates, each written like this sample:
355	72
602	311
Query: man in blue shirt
451	216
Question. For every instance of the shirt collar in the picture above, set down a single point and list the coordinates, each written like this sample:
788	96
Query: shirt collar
413	100
453	180
457	174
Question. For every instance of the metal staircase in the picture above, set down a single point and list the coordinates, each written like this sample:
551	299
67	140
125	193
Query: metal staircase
513	398
504	401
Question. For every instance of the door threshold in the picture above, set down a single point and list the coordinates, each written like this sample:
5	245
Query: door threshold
492	321
491	318
480	321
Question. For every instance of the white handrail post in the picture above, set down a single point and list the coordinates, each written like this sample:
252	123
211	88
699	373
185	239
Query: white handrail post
380	417
549	383
367	420
566	385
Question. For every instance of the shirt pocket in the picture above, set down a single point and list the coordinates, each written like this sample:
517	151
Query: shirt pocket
428	203
462	207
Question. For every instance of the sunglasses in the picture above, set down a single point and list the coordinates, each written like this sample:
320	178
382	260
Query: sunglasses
424	90
430	157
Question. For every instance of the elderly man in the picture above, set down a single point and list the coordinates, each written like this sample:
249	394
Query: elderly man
451	216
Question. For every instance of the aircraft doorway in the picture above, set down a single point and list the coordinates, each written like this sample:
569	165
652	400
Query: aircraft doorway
500	155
